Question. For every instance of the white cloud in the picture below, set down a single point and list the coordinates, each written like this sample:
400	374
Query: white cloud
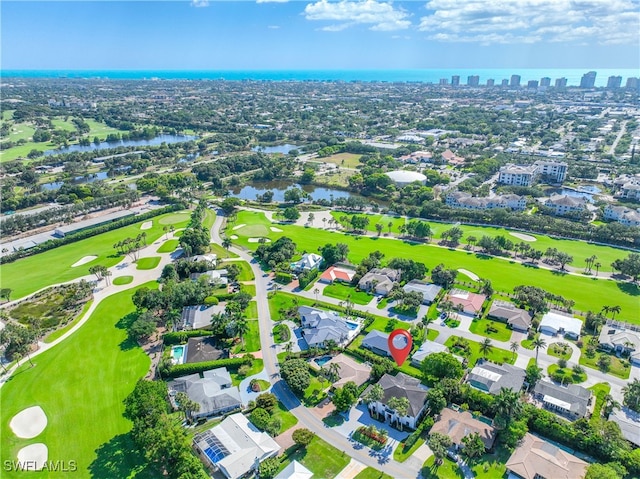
199	3
528	21
380	16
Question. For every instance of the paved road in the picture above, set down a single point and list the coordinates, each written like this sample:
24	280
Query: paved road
305	417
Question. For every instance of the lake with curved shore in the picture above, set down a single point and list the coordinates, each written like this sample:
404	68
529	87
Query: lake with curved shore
105	145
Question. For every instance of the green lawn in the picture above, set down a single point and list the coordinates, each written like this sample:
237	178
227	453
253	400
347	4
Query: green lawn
618	368
221	252
569	376
496	355
559	352
481	327
321	458
168	246
209	219
589	293
122	280
246	273
148	263
287	418
343	291
81	384
281	333
491	465
600	391
255	368
252	310
345	160
26	275
251	339
249	288
447	470
371	473
316	390
396	221
174	219
401	454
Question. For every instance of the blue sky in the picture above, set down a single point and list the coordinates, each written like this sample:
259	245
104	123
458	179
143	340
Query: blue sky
321	34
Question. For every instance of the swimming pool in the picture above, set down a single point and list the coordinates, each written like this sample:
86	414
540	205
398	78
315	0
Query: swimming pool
178	354
321	361
351	325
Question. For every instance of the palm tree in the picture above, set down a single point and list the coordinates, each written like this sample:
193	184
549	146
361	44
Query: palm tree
514	347
379	228
316	291
226	244
334	371
390	225
324	222
288	348
614	310
471	240
507	406
426	321
311	218
597	266
242	328
400	406
538	343
605	310
486	347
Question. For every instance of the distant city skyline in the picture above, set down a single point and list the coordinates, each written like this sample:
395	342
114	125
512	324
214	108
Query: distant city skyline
322	34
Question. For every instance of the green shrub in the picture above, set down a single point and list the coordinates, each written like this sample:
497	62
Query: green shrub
211	301
192	368
181	337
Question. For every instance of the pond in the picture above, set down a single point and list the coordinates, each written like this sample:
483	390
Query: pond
158	140
284	149
278	187
91	178
586	192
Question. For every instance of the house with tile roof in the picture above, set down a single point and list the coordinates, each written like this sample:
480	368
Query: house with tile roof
518	319
459	424
535	458
469	303
400	386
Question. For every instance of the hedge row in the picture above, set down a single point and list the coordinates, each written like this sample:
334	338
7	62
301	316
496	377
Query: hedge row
182	336
80	235
184	369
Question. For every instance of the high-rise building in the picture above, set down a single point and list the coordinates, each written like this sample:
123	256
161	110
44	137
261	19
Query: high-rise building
444	81
533	84
455	80
614	82
588	80
491	82
633	83
504	82
473	80
545	81
561	82
515	80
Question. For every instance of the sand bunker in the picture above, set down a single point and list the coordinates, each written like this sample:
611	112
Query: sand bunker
234	237
523	236
146	225
275	230
468	273
85	260
238	227
33	457
257	240
29	422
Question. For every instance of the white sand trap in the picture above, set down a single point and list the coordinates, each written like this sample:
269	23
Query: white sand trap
523	236
147	225
257	240
275	230
29	422
85	260
234	237
33	457
468	273
239	226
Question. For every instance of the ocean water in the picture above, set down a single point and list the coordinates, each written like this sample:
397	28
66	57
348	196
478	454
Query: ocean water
573	76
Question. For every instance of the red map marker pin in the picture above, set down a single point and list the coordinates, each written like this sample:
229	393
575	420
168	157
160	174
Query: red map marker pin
400	343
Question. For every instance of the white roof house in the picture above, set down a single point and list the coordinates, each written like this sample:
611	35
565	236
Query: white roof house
295	470
427	348
235	446
308	262
555	323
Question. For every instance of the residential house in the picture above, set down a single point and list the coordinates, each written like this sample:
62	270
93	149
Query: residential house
518	319
400	386
630	191
235	447
213	392
376	342
295	470
380	280
341	274
629	422
349	370
620	340
565	204
573	401
551	171
461	199
467	302
198	317
459	424
535	458
450	157
308	262
557	323
622	215
319	326
210	258
425	349
199	350
215	277
417	157
429	291
491	378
